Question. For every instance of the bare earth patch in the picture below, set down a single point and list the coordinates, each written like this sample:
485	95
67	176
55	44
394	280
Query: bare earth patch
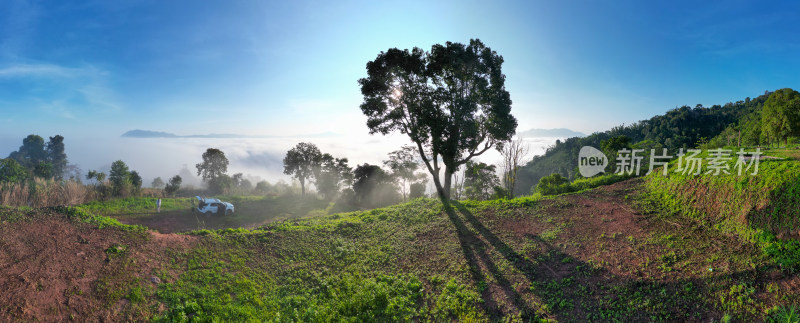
52	269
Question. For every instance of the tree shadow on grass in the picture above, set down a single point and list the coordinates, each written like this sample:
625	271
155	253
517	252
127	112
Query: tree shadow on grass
557	286
475	252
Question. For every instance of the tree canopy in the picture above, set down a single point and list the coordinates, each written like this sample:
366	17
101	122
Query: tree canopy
157	183
403	164
373	186
40	159
11	171
213	170
780	117
480	180
301	162
332	175
119	176
56	155
451	102
174	185
214	164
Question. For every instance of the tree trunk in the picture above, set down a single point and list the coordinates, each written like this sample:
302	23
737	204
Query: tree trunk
444	193
448	181
302	186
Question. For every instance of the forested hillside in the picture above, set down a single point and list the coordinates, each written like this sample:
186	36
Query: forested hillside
735	123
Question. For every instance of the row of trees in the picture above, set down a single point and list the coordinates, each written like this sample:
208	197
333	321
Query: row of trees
371	185
365	185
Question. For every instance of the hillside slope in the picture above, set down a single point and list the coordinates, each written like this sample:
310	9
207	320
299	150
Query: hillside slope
54	266
683	127
601	255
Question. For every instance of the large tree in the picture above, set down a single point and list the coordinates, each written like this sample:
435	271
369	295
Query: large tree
214	164
780	117
451	102
301	161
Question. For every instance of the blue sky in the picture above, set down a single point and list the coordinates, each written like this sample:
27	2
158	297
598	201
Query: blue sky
99	68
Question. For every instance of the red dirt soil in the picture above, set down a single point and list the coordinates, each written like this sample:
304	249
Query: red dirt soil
50	267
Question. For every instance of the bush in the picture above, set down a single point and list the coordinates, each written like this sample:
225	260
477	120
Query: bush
557	184
553	184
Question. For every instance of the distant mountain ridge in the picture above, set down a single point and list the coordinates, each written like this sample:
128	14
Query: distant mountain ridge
148	134
138	133
556	132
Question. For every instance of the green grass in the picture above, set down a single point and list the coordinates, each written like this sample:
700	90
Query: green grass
136	205
762	208
342	267
410	262
579	185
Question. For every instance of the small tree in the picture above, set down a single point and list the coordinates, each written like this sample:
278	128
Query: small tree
403	164
552	184
479	180
173	186
373	186
119	177
263	187
416	190
213	169
11	171
157	183
136	181
242	184
514	154
99	177
301	162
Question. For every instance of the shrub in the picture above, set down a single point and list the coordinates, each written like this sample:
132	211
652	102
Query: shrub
553	184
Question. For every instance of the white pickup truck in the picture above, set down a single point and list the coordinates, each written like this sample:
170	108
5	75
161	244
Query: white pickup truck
210	206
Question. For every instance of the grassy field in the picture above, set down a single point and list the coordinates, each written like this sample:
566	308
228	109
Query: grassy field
607	254
177	216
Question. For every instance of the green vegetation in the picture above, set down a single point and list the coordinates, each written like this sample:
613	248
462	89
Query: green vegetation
214	170
762	208
557	184
331	268
451	102
735	123
781	116
136	205
532	258
301	162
